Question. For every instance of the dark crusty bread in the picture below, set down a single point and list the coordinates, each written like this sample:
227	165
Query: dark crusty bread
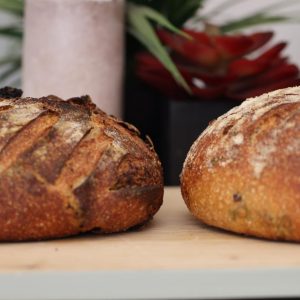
243	172
66	167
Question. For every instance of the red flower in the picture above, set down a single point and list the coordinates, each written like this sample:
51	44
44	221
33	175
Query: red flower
218	66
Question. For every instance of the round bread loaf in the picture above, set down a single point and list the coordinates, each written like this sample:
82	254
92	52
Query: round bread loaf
66	167
243	172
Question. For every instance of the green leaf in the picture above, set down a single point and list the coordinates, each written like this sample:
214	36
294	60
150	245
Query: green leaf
259	17
15	7
9	60
254	20
11	31
161	20
176	11
141	28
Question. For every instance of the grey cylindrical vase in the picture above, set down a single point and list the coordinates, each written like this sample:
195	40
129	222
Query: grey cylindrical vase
73	48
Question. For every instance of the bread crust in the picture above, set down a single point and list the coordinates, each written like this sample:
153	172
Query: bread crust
66	167
243	172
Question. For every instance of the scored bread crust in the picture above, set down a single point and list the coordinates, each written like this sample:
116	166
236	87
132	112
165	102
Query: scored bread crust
243	172
66	167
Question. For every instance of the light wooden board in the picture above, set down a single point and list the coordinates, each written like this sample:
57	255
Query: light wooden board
173	240
173	248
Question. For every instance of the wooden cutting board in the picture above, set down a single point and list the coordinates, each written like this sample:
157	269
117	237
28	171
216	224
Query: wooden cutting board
172	256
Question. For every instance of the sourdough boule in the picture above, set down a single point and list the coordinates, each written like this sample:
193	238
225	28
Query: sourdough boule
66	167
243	173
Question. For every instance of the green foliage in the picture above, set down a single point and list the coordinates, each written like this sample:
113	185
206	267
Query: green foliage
139	19
167	13
265	15
253	20
15	7
145	15
14	31
10	65
176	11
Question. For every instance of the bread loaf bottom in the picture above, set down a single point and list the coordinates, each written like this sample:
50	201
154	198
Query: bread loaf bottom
243	172
66	167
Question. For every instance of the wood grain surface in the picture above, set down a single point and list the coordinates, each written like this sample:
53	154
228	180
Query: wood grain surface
172	240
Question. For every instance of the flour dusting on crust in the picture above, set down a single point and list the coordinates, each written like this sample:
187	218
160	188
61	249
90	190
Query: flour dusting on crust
222	141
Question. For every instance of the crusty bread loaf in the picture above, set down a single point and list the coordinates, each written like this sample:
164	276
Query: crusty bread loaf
243	172
66	167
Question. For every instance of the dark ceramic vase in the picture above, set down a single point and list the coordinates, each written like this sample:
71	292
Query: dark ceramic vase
173	125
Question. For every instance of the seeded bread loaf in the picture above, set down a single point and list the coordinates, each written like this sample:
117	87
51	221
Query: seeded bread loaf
66	167
243	172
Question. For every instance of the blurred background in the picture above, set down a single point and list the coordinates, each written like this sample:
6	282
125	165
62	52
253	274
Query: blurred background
285	31
167	66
